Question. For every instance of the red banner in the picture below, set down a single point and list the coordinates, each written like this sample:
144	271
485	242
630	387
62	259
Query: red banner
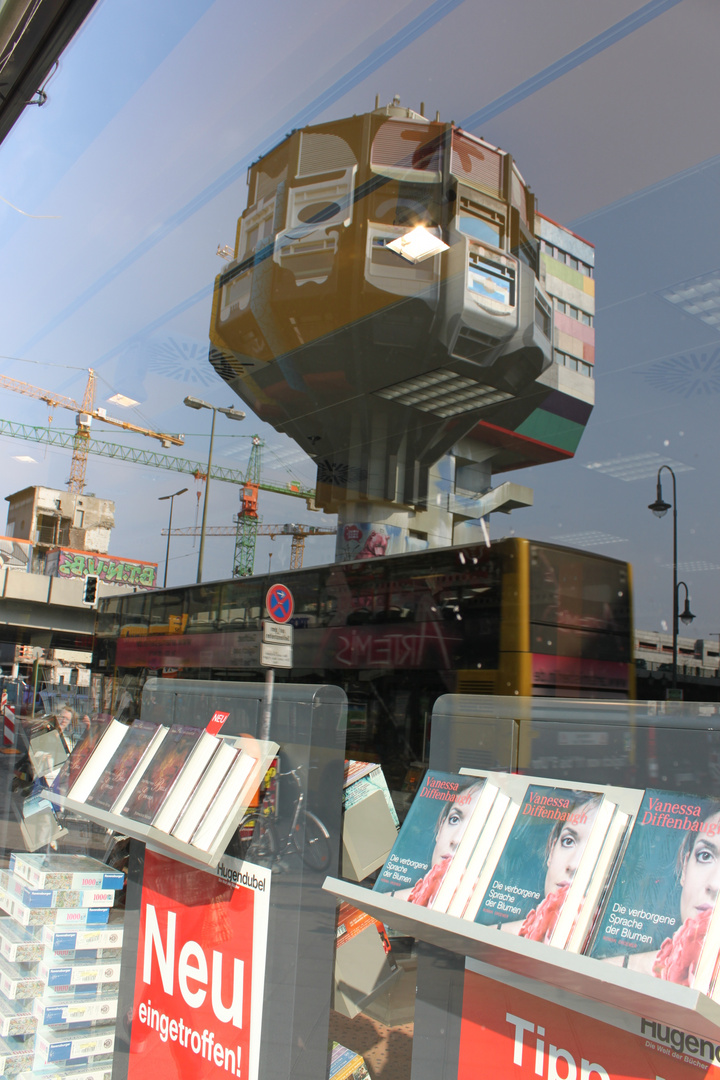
508	1034
200	971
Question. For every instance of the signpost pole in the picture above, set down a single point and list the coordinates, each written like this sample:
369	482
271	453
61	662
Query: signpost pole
267	703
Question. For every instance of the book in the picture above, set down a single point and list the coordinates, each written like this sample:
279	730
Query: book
229	795
468	882
205	792
495	850
124	770
599	882
545	849
57	871
161	774
83	774
71	769
431	832
587	868
187	779
657	913
465	848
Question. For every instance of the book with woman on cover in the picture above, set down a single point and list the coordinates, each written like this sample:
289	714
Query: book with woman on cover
429	838
663	903
558	833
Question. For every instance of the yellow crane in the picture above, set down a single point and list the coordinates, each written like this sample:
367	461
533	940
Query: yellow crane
299	534
85	413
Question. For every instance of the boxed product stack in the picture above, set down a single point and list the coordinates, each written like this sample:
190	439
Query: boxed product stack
60	948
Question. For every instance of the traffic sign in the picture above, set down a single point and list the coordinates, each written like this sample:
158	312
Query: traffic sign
279	603
275	655
277	634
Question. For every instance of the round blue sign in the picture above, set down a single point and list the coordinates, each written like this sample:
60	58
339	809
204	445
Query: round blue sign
279	603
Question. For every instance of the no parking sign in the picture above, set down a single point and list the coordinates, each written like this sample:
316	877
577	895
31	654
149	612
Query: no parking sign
279	603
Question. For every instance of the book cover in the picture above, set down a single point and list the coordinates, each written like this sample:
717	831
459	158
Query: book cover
71	769
57	871
429	837
161	774
127	757
656	915
539	860
187	780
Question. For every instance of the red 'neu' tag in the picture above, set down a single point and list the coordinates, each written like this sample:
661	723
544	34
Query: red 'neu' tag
216	721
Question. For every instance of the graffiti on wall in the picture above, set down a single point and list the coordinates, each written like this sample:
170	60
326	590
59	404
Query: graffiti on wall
65	563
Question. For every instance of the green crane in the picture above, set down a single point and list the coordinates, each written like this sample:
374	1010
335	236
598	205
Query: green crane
66	440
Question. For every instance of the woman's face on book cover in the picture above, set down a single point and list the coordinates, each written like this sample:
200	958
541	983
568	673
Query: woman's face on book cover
451	831
701	874
567	850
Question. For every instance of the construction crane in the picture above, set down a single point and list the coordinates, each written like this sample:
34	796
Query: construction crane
299	534
85	413
63	439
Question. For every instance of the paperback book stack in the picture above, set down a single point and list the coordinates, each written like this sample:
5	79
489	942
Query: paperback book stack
60	947
181	788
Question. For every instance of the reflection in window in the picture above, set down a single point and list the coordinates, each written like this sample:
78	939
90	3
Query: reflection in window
480	229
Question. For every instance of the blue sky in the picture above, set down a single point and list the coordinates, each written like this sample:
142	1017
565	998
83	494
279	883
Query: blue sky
140	157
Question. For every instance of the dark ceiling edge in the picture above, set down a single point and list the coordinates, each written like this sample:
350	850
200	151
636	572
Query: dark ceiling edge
43	39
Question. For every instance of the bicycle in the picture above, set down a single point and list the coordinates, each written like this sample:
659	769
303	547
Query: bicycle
258	837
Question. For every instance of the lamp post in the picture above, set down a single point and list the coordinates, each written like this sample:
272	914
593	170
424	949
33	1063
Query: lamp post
232	414
162	498
660	509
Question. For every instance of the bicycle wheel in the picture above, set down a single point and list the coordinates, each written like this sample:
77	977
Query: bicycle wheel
312	841
256	839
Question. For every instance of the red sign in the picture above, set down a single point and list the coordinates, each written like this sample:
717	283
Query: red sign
216	721
197	1007
279	603
518	1036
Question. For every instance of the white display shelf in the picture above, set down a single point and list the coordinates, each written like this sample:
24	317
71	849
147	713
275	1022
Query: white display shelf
635	993
164	843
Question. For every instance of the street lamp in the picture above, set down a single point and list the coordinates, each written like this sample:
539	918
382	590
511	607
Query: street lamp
660	509
232	414
686	615
162	498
